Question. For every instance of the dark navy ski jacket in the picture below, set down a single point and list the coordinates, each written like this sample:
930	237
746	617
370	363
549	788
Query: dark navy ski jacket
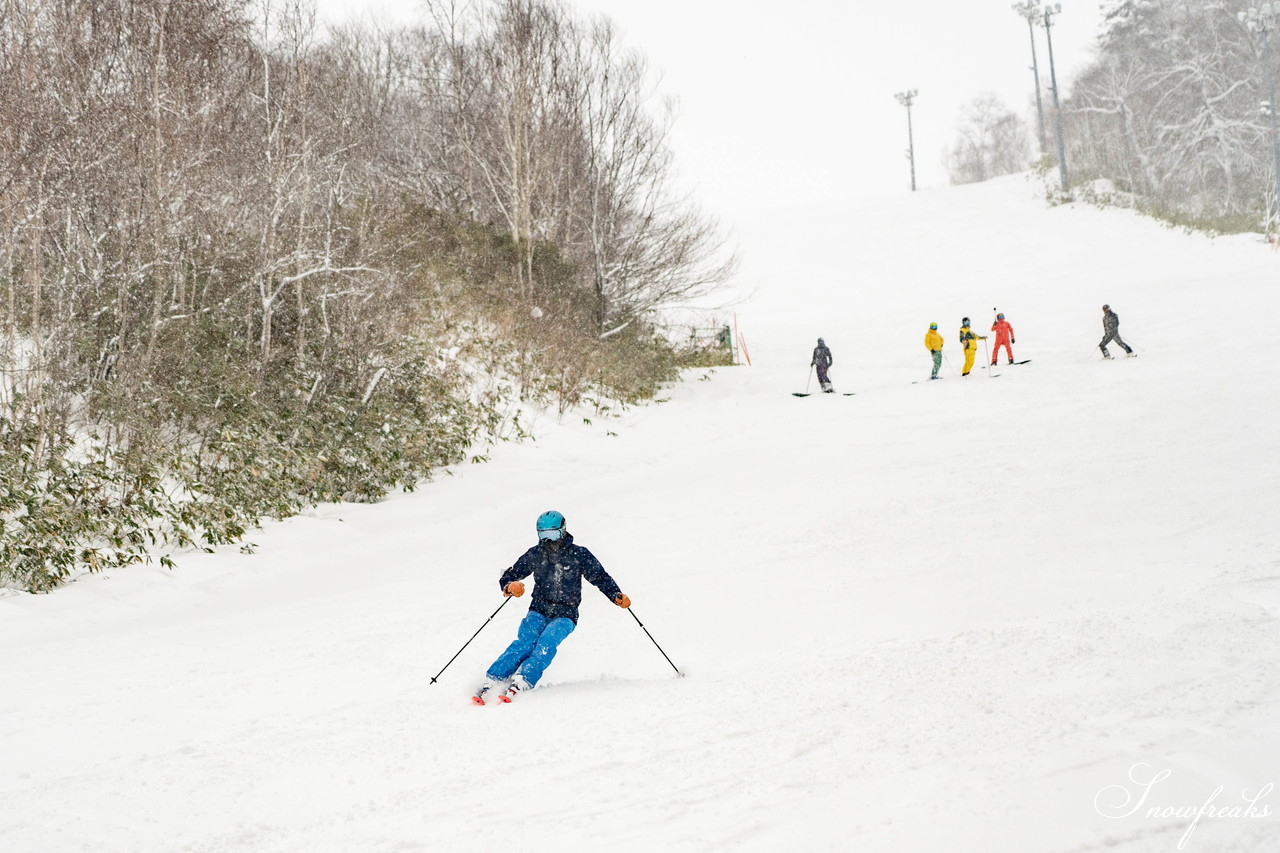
558	573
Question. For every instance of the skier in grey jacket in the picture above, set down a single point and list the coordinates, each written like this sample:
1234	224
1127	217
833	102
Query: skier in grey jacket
1111	332
822	359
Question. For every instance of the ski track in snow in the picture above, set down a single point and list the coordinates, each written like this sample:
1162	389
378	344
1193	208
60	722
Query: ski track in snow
928	617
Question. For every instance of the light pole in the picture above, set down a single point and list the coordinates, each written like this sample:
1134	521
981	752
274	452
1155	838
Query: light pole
907	98
1031	11
1264	21
1049	12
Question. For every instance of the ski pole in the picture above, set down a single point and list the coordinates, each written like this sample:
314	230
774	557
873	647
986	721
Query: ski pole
948	361
473	636
987	349
809	380
655	642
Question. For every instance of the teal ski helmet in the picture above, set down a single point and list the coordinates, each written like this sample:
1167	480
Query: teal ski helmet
550	525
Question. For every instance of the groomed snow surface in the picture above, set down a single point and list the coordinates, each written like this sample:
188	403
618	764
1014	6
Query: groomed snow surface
967	615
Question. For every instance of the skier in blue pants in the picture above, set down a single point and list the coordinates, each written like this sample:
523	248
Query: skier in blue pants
558	567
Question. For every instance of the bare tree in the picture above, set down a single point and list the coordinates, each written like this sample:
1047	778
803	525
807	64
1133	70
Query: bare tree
991	140
565	143
193	192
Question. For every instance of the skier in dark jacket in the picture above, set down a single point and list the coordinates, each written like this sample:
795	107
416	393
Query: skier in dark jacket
1111	332
822	359
969	341
558	567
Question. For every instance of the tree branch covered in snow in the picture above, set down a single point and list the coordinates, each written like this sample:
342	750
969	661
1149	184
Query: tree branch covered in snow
1170	111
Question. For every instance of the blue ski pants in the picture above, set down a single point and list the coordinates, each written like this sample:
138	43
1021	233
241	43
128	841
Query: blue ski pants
533	649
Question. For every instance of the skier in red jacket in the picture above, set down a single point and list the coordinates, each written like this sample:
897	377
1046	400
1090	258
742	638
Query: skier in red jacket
1004	337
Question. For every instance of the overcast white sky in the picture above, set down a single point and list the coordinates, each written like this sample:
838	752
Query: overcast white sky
790	105
793	101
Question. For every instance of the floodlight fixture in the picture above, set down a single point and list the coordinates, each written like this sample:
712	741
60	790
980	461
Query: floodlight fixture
1047	23
1260	19
1031	11
907	98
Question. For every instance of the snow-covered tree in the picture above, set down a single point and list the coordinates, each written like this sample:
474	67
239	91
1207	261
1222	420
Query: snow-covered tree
1170	108
991	140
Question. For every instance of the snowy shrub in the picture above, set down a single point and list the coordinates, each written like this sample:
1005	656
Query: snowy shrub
63	511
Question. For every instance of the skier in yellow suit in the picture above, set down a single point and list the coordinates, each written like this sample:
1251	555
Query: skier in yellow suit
969	341
933	343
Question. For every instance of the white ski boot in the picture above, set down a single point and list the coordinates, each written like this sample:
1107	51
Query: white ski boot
478	697
518	685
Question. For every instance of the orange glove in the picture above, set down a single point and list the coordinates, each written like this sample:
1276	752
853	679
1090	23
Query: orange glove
622	600
514	588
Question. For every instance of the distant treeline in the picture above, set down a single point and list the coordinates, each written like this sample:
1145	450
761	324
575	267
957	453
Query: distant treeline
1171	111
247	264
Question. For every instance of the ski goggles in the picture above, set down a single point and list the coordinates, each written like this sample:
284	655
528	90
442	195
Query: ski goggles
552	535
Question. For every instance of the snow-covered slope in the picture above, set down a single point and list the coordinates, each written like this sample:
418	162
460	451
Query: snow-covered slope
967	615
